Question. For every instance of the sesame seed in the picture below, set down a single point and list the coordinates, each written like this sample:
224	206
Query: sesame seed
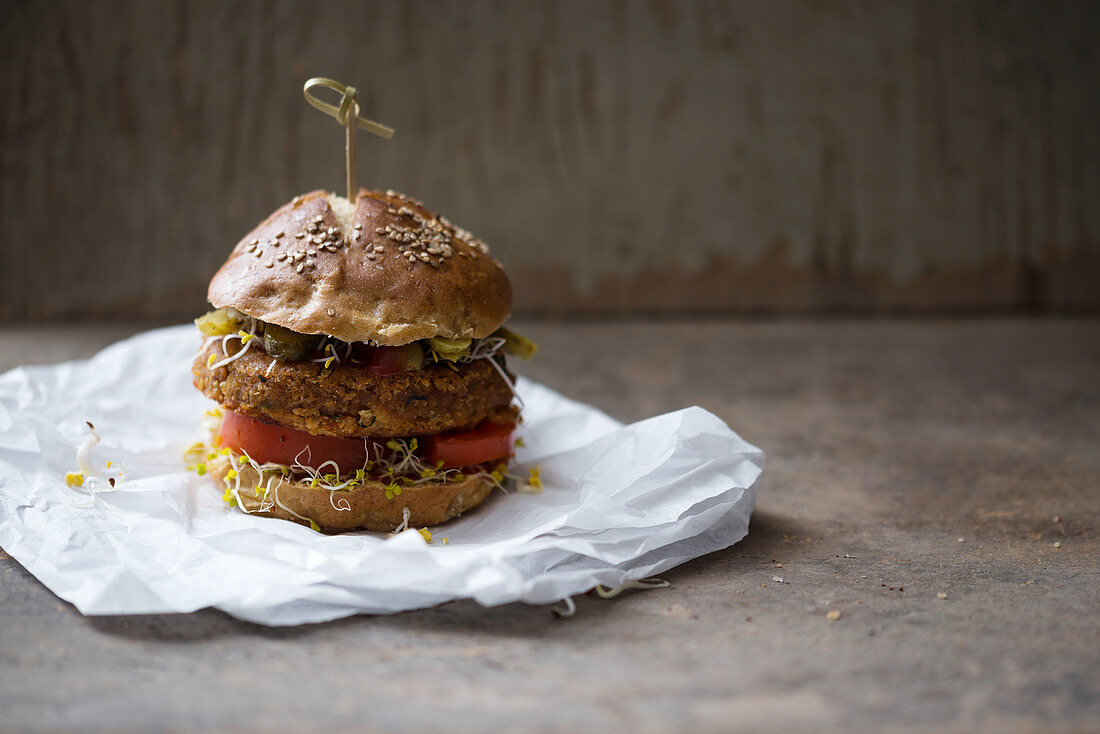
300	268
281	256
251	247
254	242
300	235
332	312
280	234
359	226
941	595
269	264
311	252
833	615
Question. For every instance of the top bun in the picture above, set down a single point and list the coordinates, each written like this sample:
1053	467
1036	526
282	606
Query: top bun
382	269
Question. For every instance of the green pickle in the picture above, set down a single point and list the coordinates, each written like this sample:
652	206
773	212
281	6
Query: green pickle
517	344
220	322
286	345
414	356
452	349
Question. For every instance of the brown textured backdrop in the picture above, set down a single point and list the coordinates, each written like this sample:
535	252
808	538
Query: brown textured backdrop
619	157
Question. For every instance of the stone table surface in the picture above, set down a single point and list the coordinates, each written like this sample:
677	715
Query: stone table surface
936	483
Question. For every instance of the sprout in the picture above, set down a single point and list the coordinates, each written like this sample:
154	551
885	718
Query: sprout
605	592
533	485
245	337
406	513
566	608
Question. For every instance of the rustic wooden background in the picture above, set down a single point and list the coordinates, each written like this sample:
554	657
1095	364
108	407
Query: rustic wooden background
619	157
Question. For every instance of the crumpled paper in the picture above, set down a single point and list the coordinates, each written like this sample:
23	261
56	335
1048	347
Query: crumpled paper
620	503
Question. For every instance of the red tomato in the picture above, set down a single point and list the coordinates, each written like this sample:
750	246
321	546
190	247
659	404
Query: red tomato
265	442
487	442
386	360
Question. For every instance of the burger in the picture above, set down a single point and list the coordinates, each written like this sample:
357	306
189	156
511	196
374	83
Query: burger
357	356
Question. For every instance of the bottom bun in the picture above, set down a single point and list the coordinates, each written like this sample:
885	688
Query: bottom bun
362	508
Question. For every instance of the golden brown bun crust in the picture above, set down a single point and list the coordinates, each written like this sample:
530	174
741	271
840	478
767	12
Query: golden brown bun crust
368	508
359	284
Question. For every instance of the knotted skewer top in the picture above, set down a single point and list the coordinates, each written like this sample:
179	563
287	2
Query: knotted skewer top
347	114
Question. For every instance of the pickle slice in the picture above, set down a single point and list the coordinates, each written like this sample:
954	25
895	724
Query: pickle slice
517	344
414	356
286	345
451	349
220	322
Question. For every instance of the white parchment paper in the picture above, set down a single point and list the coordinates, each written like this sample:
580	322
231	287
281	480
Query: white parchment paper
620	503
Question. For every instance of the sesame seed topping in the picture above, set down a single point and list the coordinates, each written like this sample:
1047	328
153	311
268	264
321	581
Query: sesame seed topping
281	256
269	264
300	268
311	252
332	312
280	234
358	226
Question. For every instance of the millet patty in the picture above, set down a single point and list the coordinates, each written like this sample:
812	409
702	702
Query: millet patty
351	402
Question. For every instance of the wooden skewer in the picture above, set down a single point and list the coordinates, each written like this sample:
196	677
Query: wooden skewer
347	114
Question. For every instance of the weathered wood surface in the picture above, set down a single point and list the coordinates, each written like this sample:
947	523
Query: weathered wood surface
887	443
619	156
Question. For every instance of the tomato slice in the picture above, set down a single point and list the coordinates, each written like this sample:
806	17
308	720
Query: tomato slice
387	360
487	442
266	442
